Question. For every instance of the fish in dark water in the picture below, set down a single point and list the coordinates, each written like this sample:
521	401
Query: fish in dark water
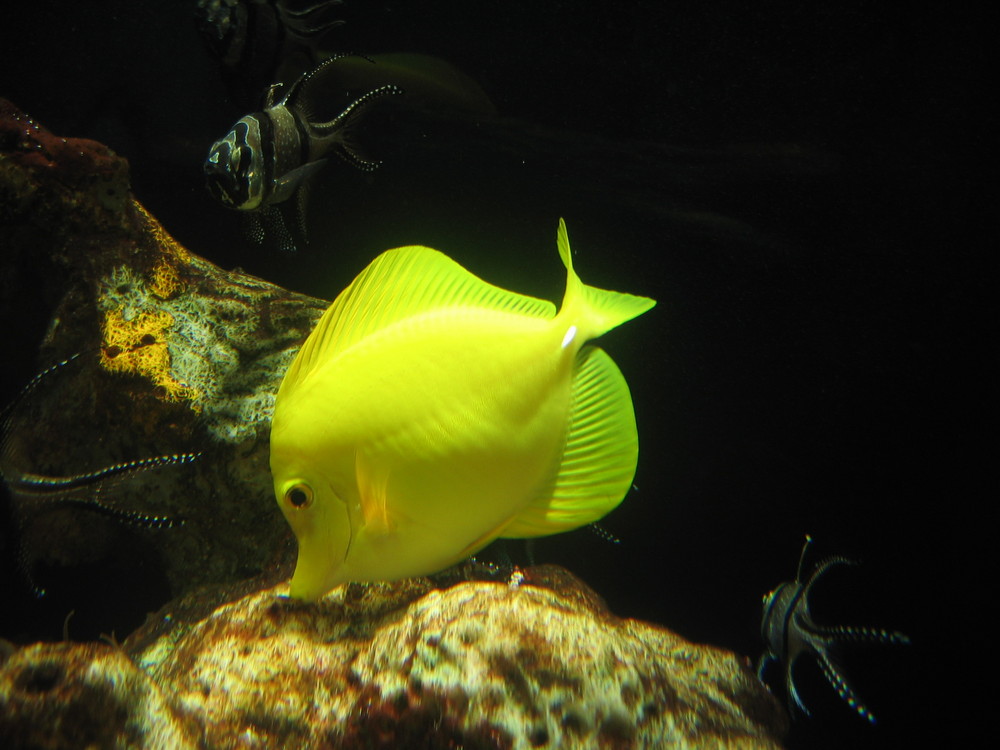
33	492
266	162
261	42
269	156
789	631
429	413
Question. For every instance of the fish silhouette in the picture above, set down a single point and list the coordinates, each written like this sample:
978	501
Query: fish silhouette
260	42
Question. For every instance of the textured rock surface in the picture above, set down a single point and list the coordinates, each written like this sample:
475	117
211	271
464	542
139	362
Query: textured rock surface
536	662
177	356
83	695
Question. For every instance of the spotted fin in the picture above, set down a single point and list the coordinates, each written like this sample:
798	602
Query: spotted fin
274	226
38	492
308	88
430	82
339	132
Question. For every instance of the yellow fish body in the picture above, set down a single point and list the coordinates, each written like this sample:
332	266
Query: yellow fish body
429	413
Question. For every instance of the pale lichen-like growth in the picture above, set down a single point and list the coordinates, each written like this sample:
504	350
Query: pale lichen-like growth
194	348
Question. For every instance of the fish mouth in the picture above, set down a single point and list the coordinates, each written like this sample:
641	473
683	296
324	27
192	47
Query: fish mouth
320	566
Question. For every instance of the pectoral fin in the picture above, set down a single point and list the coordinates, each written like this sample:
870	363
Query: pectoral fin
373	488
288	182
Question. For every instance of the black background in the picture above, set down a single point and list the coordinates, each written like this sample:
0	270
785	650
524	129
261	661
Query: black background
815	365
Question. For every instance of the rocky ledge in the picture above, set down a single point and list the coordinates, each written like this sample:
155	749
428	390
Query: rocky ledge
534	661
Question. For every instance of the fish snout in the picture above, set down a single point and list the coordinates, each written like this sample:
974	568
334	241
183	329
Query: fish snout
222	180
233	170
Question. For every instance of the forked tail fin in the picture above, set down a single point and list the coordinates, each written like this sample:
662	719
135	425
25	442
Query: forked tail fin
596	311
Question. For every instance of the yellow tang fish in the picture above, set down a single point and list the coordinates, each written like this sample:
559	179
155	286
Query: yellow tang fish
429	413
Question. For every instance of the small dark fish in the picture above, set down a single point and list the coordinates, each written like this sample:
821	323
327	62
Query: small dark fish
35	493
789	631
268	157
260	42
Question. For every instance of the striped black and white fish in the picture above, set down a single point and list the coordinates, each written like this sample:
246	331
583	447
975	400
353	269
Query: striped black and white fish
111	490
789	631
268	157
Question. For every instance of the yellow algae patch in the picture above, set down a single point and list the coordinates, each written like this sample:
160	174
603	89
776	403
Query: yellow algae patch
164	281
139	346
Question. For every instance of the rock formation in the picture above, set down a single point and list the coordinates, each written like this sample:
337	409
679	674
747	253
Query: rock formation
171	354
176	356
533	662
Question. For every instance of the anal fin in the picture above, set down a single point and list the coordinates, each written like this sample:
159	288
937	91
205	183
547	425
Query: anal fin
600	456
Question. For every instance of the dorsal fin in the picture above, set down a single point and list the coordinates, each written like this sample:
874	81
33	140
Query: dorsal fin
341	127
431	84
295	98
396	285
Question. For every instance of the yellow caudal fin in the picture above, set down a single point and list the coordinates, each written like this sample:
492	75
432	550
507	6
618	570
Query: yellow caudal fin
397	284
600	456
595	311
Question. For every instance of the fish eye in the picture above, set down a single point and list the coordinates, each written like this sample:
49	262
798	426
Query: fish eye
299	496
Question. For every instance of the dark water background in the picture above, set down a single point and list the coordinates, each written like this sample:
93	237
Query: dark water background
817	362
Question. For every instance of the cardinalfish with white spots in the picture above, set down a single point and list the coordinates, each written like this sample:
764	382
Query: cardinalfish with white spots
35	492
789	631
266	163
429	413
268	157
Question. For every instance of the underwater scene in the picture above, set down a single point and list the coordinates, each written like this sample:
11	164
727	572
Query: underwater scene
497	376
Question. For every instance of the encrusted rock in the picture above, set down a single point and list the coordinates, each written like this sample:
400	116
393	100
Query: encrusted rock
72	696
176	356
534	662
